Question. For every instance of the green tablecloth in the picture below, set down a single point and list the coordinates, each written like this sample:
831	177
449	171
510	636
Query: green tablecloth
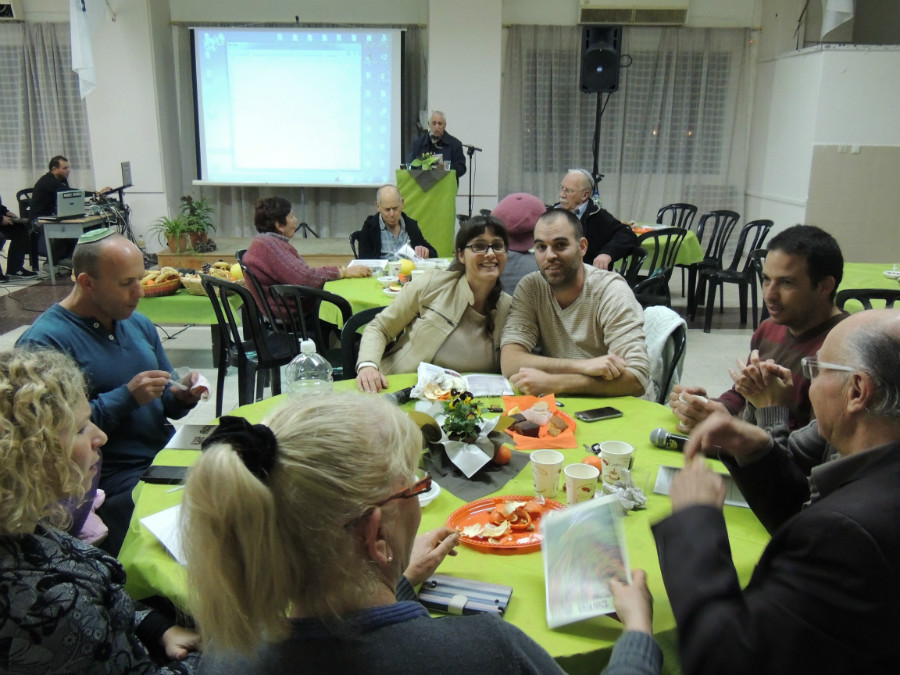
360	293
865	275
433	208
182	308
690	251
581	647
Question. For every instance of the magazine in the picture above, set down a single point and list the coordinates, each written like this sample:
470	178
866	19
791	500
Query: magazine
583	548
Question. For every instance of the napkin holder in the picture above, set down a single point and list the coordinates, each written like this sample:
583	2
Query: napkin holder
456	596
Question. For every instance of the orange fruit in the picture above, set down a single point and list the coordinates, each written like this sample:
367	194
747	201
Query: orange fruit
593	460
502	455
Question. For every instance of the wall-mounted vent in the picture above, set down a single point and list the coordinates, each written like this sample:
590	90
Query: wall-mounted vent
11	11
633	16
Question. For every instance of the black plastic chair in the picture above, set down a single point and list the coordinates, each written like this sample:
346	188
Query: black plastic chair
677	215
257	354
864	296
629	266
721	222
297	308
758	230
756	259
23	198
679	339
354	242
350	338
653	288
262	298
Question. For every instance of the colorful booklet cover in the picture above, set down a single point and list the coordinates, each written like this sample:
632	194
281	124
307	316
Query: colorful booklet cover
583	548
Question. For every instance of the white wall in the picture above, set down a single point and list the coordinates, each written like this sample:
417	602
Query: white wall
464	82
309	11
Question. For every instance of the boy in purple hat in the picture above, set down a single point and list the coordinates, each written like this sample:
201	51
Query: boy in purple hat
519	212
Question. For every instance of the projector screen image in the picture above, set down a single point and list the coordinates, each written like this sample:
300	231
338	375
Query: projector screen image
297	107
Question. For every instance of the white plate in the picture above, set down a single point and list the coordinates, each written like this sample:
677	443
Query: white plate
388	291
892	274
427	497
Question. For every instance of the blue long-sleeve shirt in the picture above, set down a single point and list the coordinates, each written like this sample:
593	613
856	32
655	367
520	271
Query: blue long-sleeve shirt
109	361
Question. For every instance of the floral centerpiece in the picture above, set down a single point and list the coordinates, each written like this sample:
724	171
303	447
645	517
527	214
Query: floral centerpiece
427	162
463	419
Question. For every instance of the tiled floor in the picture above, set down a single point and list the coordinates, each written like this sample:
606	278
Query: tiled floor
709	355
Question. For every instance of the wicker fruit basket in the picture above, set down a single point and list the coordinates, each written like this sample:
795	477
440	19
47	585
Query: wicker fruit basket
163	289
193	284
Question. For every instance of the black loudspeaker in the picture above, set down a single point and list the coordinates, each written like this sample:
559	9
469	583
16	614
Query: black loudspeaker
600	47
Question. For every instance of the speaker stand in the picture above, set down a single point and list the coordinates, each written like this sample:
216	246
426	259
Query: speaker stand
601	106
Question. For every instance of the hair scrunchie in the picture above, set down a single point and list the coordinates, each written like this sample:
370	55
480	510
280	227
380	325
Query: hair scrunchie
255	444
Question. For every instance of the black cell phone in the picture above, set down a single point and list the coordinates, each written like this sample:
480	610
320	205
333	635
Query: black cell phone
597	414
165	475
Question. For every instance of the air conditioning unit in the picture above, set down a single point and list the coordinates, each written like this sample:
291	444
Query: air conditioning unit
11	10
635	12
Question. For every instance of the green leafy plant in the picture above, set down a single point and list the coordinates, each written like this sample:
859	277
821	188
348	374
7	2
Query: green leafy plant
197	213
463	415
427	162
173	231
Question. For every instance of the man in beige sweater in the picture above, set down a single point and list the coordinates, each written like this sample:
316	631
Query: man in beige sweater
586	321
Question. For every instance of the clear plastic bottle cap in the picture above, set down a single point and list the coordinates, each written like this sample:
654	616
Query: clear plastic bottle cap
307	347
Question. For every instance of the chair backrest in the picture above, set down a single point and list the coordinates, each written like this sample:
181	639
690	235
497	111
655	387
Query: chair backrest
630	265
665	333
23	197
236	335
677	215
865	296
756	232
261	297
299	307
354	242
679	343
722	223
350	339
668	241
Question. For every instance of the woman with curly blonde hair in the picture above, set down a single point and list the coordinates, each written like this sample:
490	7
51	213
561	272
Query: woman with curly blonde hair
64	607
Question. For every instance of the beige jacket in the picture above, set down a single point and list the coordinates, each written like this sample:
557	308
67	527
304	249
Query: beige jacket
415	325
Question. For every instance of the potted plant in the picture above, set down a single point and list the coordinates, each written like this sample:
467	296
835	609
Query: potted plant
174	231
427	162
197	213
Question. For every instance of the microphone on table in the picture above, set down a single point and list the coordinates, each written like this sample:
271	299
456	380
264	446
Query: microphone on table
663	439
399	397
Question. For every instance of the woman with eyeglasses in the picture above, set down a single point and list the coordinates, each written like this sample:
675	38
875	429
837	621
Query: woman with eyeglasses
63	605
452	318
302	554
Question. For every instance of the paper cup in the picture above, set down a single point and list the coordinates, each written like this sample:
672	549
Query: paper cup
581	482
546	466
416	273
615	455
393	268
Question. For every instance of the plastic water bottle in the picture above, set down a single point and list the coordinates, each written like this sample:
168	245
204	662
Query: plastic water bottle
309	372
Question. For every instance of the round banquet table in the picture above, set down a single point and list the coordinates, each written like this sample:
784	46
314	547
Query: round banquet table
865	275
581	647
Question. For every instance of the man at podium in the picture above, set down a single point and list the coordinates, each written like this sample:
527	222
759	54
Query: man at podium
438	141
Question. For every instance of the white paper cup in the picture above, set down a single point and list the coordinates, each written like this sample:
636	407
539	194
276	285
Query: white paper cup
393	268
546	467
416	273
615	455
581	482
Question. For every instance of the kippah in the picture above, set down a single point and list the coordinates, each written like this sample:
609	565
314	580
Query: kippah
96	235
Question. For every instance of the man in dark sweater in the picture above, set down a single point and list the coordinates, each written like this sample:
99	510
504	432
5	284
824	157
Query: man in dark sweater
385	232
16	230
438	141
43	203
608	238
803	269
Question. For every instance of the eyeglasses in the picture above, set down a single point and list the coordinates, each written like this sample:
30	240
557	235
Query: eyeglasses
810	367
414	490
481	249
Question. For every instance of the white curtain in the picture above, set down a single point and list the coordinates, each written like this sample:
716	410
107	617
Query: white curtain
331	212
42	113
675	131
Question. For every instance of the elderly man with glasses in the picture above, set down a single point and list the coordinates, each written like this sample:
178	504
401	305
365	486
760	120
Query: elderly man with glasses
824	597
608	239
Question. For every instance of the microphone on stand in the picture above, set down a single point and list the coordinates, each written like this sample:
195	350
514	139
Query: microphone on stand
663	439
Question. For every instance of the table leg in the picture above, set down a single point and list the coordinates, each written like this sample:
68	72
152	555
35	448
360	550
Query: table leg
692	291
50	258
